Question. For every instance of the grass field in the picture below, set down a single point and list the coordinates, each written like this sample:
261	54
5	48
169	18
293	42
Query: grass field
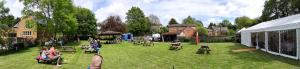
129	56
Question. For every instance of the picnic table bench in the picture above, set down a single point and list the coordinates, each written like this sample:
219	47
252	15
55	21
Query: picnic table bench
203	49
68	49
175	46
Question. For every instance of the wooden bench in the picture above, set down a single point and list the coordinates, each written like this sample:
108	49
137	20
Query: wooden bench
203	49
68	49
175	46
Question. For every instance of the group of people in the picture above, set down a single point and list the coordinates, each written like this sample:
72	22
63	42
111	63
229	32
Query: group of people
50	54
95	45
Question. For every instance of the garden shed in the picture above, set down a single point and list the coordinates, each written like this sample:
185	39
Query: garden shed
280	36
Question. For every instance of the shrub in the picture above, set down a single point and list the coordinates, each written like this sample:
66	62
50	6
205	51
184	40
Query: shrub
184	39
220	39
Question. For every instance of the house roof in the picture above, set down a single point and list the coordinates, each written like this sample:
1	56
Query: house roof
182	25
170	33
110	33
216	28
290	22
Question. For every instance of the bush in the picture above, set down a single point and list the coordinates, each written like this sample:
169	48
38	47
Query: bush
220	39
183	39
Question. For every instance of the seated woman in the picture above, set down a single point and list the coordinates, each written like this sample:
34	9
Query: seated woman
96	62
44	53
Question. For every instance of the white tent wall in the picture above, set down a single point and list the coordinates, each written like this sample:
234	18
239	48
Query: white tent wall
246	38
298	43
282	24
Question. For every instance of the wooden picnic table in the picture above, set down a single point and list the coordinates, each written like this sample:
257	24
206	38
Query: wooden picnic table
175	46
203	49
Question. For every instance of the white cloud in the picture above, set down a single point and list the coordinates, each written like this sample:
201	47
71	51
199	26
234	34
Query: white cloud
15	7
180	9
205	10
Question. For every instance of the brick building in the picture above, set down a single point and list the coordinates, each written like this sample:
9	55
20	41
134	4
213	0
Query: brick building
217	31
179	30
22	30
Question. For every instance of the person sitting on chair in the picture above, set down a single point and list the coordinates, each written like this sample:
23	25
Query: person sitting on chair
54	56
44	54
95	46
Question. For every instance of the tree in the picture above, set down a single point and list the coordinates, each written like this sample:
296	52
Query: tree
164	29
154	20
202	31
211	25
52	16
172	21
274	9
227	23
114	23
86	21
244	21
199	25
137	22
6	22
155	24
189	20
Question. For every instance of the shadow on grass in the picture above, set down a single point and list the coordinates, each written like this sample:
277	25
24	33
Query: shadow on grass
260	56
11	52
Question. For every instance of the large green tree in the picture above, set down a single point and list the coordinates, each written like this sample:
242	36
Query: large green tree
6	22
173	21
86	20
244	21
227	23
137	22
274	9
199	25
53	16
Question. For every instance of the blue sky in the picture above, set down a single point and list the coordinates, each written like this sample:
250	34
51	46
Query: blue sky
205	10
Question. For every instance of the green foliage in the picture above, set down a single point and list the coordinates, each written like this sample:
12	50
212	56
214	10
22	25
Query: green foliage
30	24
86	21
199	25
137	22
219	39
53	16
189	20
227	23
231	32
244	21
274	9
164	29
172	21
202	31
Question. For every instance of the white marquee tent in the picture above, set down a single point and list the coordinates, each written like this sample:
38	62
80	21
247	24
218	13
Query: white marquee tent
279	37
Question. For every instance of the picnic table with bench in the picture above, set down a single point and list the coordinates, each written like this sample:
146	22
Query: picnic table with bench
203	49
175	46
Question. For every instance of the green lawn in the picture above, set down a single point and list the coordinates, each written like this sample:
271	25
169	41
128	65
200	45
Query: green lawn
128	56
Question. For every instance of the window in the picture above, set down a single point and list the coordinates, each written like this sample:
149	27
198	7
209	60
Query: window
261	40
288	42
273	41
27	33
253	39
